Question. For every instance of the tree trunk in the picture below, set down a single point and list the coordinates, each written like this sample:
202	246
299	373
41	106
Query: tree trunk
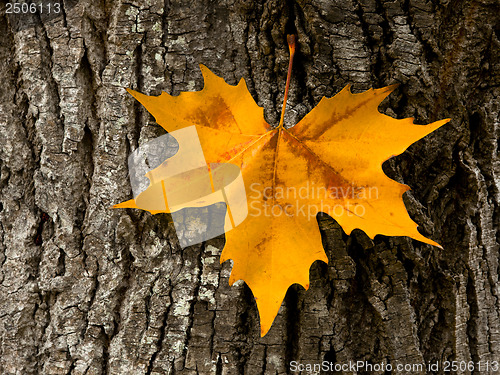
90	290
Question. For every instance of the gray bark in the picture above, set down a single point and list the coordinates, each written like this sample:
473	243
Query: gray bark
89	290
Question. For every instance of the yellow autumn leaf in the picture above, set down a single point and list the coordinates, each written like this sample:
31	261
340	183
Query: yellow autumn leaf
331	162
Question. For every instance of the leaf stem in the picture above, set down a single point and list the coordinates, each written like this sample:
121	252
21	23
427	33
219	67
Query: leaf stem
291	46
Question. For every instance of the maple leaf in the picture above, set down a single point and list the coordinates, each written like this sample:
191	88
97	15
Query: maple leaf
331	162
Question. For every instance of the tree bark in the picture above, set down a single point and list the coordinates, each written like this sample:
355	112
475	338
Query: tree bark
90	290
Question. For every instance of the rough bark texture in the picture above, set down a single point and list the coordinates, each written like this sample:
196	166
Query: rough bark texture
89	290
